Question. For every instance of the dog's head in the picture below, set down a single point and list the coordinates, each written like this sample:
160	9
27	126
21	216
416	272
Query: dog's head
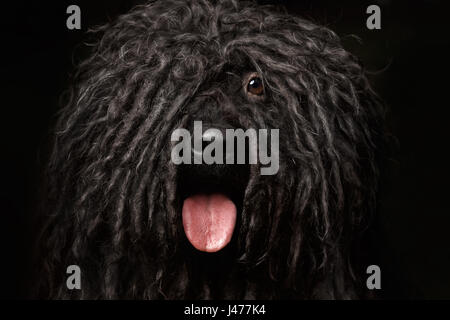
140	223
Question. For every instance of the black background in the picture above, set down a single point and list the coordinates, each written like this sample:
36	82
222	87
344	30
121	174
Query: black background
409	59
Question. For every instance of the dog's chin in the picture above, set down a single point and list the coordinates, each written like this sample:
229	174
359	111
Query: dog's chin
211	198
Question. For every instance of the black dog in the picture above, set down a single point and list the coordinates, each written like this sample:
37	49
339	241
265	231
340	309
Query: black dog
117	203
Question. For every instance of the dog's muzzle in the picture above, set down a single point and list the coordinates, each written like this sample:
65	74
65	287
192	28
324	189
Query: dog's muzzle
212	197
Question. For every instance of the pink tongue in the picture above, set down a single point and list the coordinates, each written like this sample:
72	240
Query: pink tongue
208	221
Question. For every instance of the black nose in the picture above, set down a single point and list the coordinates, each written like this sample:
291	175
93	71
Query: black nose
214	134
210	135
218	137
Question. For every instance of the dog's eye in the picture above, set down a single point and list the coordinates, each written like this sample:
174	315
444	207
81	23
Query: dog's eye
255	86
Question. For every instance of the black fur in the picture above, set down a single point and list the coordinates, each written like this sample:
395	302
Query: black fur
114	196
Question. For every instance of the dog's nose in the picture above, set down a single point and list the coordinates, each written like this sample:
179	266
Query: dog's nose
213	134
216	140
210	135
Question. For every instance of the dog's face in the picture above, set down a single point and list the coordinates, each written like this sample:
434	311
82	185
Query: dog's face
141	224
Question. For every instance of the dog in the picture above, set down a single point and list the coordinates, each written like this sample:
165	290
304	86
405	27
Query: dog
141	226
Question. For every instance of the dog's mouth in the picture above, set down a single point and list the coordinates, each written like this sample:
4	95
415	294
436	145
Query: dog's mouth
211	202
